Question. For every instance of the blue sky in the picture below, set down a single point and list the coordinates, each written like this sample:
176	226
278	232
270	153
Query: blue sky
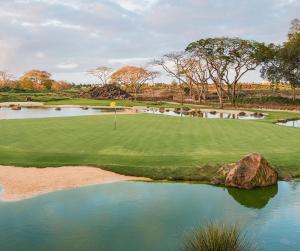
69	37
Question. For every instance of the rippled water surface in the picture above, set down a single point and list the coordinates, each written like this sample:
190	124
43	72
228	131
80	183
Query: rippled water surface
148	216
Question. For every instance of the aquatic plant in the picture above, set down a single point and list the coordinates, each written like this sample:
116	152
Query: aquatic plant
217	237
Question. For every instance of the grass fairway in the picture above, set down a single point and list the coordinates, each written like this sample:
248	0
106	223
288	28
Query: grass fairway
159	147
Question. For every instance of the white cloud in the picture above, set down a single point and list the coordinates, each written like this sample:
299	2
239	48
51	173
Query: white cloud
60	24
55	34
284	3
48	23
4	13
66	3
129	60
67	66
8	49
136	5
40	55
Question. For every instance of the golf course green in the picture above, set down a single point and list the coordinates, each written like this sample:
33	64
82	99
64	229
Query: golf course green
155	146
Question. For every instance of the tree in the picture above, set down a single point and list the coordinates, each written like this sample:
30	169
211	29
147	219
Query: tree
282	63
60	85
290	63
5	78
227	61
196	72
103	73
36	77
271	66
174	65
133	77
189	70
294	27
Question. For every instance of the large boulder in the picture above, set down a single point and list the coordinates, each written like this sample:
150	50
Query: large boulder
250	172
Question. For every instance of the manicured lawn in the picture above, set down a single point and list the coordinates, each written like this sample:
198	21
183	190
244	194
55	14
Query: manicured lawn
160	147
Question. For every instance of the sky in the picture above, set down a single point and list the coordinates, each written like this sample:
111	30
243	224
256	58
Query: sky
70	37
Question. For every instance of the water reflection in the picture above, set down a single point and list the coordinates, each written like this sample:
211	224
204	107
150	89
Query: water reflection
206	114
291	123
255	198
134	216
43	112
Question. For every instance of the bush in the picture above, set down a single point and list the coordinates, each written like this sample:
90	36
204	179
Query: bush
269	100
217	237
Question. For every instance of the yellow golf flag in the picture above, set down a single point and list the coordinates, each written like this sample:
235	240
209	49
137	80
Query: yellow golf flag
113	104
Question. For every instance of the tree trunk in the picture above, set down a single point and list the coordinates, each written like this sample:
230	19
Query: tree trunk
181	98
294	93
234	96
221	102
220	94
135	94
199	95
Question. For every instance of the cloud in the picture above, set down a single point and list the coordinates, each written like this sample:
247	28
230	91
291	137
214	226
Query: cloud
66	3
136	5
48	23
67	66
7	55
129	60
40	55
41	33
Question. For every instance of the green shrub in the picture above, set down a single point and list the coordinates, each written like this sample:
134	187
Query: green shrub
217	237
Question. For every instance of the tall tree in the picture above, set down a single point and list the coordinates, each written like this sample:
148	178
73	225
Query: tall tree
227	60
196	72
294	27
290	58
103	73
174	65
5	78
133	77
37	77
271	66
282	63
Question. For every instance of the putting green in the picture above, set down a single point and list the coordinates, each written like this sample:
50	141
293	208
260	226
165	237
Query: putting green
147	145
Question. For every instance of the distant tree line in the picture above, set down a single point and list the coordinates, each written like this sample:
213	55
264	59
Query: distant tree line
224	61
32	80
221	62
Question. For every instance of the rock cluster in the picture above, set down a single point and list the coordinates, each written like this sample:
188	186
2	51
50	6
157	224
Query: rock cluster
109	91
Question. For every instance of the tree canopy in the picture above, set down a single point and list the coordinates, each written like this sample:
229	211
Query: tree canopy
227	61
282	63
133	77
103	73
36	77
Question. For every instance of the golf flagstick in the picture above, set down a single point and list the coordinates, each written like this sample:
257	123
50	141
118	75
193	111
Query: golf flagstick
113	105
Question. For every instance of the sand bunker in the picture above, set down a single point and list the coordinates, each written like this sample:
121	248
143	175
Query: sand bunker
23	183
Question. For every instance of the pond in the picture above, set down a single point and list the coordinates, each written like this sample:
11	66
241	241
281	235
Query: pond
40	112
134	216
291	123
206	114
